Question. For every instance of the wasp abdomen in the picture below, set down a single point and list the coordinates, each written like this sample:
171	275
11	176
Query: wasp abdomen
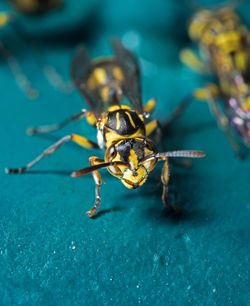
124	122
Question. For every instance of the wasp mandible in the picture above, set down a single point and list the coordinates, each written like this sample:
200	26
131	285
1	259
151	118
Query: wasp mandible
225	47
122	130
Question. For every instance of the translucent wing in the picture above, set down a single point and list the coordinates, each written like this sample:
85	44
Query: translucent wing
80	68
131	72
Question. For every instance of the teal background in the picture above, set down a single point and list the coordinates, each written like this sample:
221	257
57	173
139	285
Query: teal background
133	252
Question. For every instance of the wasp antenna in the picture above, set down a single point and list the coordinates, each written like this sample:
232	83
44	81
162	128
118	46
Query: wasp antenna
183	153
87	170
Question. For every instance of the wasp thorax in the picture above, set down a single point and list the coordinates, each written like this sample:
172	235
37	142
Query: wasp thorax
133	152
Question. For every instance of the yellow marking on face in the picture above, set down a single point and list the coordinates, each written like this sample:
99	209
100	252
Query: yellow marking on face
118	74
130	181
130	119
133	159
118	121
105	93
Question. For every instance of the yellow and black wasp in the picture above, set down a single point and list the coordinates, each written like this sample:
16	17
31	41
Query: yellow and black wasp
122	130
225	48
35	6
12	17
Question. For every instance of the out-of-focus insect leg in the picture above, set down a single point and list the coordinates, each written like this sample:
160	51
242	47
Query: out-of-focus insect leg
21	79
150	106
204	95
151	127
222	121
98	180
189	58
82	141
55	127
165	180
178	111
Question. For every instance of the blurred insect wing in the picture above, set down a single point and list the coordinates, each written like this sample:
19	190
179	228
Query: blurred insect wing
131	72
80	68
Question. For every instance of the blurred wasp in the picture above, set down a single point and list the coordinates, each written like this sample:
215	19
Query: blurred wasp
225	47
35	6
21	79
12	17
122	130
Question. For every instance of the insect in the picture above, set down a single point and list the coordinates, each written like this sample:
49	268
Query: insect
122	130
35	6
225	48
13	17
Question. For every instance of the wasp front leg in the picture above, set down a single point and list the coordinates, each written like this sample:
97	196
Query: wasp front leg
98	180
80	140
190	59
165	181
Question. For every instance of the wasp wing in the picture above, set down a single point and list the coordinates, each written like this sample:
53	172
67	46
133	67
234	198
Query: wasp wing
80	68
131	71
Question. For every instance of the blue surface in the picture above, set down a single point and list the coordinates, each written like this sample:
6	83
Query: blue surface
133	252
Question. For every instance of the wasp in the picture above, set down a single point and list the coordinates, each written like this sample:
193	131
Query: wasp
225	49
122	130
35	6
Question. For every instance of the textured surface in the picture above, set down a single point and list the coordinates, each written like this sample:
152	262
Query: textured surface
134	252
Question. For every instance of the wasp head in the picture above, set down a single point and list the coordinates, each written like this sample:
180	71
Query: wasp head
133	152
206	25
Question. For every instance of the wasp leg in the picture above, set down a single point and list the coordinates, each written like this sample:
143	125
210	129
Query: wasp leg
204	95
21	79
165	180
190	59
82	141
150	106
98	180
54	127
200	94
152	126
178	111
222	120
